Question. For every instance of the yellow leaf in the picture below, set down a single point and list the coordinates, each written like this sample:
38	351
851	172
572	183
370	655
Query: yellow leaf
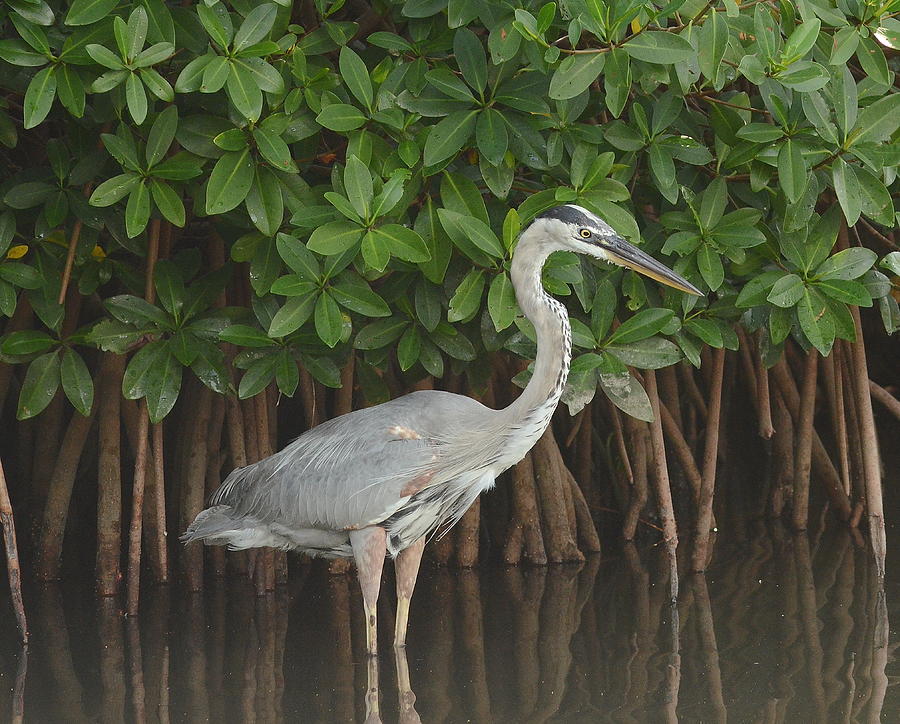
17	252
98	253
635	26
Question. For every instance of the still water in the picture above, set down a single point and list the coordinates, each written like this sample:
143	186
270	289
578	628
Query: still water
782	628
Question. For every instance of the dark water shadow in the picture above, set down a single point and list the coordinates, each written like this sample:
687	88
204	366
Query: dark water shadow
783	628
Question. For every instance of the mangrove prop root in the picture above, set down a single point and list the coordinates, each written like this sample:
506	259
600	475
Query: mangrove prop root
726	396
251	431
668	392
833	366
620	442
574	427
690	384
890	403
262	425
581	526
237	458
139	480
700	553
756	377
804	432
562	473
783	454
59	494
280	571
661	473
271	407
109	476
751	373
585	456
467	536
215	554
559	538
193	482
822	466
156	510
130	420
137	507
588	538
344	395
857	474
13	571
442	549
48	427
265	568
308	396
524	538
234	419
764	405
18	693
50	430
251	443
637	434
681	450
874	503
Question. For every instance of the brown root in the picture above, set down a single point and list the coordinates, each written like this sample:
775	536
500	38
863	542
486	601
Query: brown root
822	467
13	571
874	501
524	538
885	398
804	430
109	474
639	437
559	538
59	494
137	506
193	482
700	554
660	470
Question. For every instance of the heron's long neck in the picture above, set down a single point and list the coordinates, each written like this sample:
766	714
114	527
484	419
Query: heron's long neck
554	339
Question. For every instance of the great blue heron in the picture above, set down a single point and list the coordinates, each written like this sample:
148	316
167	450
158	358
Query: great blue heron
380	480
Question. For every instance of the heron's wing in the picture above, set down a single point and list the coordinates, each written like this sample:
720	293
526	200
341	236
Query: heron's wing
354	470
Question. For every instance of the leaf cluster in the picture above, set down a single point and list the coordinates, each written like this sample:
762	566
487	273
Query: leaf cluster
368	185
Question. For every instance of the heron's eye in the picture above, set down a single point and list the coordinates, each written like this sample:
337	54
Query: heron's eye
585	233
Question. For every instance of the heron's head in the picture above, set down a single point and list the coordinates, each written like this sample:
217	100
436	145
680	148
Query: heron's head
574	228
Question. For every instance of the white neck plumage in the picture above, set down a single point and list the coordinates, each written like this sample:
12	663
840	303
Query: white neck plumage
529	415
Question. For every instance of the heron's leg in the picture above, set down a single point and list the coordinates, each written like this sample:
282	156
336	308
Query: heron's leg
406	567
369	549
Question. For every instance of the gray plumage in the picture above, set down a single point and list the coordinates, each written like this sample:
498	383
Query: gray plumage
344	474
413	466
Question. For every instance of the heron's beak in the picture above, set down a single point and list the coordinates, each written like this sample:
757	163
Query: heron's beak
618	251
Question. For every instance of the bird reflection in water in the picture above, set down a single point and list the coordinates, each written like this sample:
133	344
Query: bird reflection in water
406	697
789	628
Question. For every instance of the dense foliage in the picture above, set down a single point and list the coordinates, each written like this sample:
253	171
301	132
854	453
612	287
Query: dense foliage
369	169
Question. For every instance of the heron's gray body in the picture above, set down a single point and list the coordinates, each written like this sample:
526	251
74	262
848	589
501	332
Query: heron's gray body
412	465
316	490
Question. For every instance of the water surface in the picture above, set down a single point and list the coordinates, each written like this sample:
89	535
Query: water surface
782	628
